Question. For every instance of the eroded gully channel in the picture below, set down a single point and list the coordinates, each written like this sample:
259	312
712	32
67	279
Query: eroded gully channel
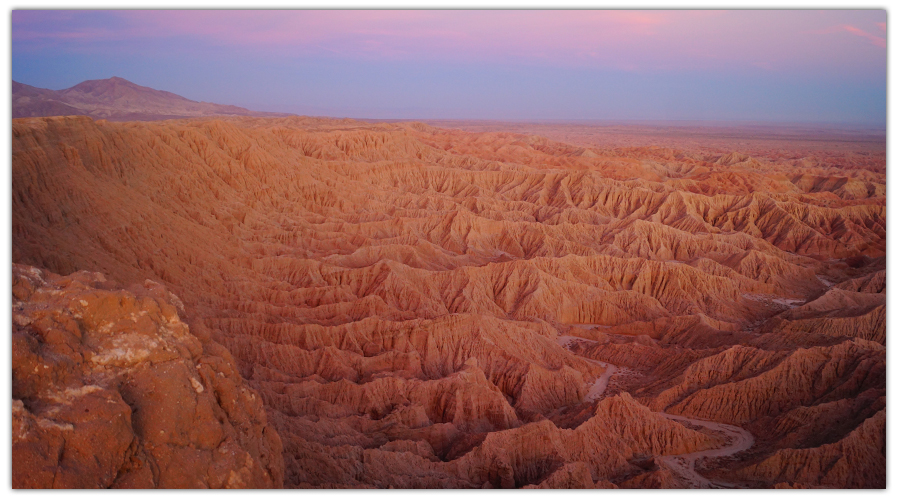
684	465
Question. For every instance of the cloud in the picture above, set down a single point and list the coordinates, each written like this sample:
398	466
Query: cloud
874	40
848	28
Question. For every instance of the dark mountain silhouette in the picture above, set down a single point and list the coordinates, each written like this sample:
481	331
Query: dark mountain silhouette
115	99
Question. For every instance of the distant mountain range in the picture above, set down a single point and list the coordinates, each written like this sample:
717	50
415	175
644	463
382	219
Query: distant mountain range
116	99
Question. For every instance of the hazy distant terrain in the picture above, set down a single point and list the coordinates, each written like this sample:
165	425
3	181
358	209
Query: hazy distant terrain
781	140
402	305
115	99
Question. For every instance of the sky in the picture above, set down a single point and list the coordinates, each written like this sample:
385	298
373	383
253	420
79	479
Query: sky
735	65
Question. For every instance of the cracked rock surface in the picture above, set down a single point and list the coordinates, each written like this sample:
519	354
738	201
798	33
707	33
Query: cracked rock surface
111	389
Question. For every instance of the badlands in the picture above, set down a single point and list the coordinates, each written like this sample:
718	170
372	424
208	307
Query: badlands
321	303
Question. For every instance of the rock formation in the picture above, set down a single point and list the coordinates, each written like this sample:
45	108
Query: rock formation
111	390
411	306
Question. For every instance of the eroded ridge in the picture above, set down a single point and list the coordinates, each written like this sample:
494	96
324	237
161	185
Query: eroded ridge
423	307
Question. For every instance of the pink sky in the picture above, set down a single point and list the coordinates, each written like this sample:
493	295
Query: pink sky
824	63
629	40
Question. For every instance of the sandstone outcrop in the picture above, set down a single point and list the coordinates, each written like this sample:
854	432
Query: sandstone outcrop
111	389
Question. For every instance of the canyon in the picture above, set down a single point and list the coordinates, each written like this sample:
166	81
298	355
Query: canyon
285	301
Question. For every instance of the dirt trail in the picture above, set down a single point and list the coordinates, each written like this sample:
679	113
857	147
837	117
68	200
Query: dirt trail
602	382
683	465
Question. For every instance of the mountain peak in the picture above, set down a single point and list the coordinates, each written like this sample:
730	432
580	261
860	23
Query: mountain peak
108	84
115	98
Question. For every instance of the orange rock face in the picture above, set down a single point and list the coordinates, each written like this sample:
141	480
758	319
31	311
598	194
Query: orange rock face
399	305
110	390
